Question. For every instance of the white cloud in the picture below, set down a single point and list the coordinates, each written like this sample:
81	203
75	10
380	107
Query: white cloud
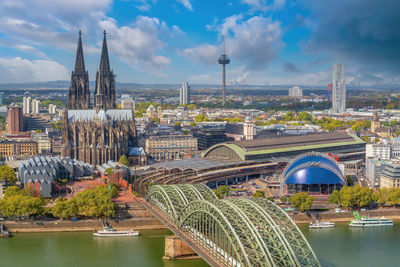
256	4
261	5
56	23
205	53
144	5
255	42
48	22
215	77
18	70
30	49
186	3
138	44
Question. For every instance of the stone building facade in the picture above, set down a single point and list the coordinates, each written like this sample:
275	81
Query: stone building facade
96	137
170	147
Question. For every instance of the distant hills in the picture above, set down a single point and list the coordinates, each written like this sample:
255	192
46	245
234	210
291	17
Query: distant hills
64	85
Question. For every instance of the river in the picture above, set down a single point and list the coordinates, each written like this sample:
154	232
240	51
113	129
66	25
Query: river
340	246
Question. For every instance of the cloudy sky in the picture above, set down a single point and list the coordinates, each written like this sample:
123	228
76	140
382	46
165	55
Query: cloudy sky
270	42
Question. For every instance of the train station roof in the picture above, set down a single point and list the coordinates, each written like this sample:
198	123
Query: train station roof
196	164
283	146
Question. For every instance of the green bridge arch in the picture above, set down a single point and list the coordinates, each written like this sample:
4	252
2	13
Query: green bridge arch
235	232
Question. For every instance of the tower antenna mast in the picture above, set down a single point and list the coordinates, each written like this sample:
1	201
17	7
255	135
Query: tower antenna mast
223	60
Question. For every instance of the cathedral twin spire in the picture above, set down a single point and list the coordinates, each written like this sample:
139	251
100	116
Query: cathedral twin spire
79	93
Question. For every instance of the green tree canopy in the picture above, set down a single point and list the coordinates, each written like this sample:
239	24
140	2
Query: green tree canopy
304	116
17	202
124	160
302	201
200	118
289	116
65	208
7	173
222	191
259	193
335	197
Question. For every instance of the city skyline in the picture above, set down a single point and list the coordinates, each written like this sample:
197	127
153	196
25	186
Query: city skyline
271	43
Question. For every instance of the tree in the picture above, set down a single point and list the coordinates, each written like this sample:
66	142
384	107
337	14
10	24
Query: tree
17	202
365	138
364	197
193	124
7	173
191	106
110	171
335	197
304	116
349	180
283	199
302	201
200	118
65	208
289	116
124	160
222	191
96	202
259	193
356	196
155	120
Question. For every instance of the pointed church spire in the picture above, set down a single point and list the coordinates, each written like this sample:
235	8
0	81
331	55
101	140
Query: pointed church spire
79	61
79	93
104	62
105	81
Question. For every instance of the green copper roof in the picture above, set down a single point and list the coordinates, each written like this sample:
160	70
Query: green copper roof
242	153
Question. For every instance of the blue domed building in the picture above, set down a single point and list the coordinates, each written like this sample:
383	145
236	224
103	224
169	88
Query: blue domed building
314	173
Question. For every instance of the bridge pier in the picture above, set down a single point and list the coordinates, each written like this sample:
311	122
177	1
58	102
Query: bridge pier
175	248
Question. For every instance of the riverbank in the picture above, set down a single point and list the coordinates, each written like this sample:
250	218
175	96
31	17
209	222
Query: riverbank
145	223
393	214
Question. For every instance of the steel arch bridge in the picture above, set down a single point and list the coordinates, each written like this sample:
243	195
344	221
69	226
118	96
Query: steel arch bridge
231	232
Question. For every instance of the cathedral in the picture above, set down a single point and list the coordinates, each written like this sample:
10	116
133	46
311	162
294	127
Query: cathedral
96	133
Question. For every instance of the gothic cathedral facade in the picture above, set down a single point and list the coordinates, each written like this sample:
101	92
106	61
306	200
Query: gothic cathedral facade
102	133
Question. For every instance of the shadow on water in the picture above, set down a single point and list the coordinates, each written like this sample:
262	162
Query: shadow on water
327	264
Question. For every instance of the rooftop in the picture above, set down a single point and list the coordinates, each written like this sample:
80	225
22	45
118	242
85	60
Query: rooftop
273	146
292	141
91	114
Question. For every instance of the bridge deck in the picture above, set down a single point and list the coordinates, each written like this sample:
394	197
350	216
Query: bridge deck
199	250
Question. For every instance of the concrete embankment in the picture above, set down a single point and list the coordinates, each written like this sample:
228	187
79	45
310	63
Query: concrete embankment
83	225
347	216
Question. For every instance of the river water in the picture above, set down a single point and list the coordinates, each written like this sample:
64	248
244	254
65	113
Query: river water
340	246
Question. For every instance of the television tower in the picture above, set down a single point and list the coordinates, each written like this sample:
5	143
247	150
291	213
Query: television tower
223	60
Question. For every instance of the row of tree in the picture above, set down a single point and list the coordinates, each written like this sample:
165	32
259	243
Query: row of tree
17	202
357	197
91	203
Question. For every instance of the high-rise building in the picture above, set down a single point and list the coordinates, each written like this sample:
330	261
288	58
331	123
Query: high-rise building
338	89
26	103
105	84
52	108
35	106
295	91
79	94
184	94
15	120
